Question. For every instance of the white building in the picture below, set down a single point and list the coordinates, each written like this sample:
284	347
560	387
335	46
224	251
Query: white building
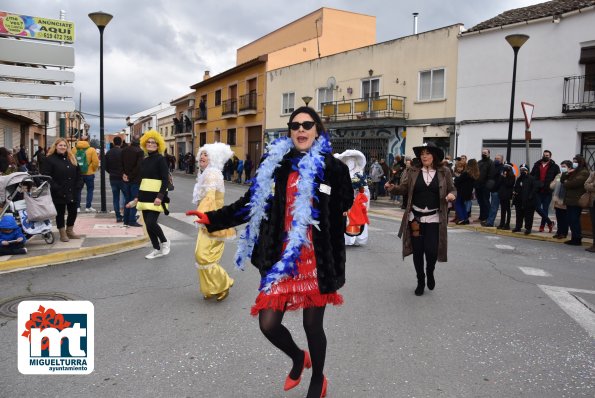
555	72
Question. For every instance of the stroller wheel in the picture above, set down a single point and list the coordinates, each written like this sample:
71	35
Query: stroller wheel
48	237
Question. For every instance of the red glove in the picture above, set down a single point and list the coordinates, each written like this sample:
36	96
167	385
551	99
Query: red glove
202	217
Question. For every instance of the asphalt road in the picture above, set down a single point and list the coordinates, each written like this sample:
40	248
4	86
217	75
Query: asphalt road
508	318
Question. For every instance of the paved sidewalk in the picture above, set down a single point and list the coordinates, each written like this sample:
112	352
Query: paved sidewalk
384	207
103	236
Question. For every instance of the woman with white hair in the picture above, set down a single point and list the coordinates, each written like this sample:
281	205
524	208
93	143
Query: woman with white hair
209	192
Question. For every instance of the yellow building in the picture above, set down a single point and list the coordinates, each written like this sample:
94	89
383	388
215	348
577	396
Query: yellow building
234	100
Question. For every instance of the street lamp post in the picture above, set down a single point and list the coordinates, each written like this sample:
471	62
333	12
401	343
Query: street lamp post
515	41
101	19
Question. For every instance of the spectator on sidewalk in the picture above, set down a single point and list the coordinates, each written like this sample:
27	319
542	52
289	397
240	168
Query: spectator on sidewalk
247	168
525	188
113	165
558	194
483	184
384	178
590	188
12	239
228	170
88	162
132	157
65	186
240	170
494	187
574	184
544	171
464	184
506	187
376	173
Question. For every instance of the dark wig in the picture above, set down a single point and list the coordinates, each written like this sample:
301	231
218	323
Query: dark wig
313	114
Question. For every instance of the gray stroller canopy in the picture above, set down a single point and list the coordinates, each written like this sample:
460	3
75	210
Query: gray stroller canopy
7	182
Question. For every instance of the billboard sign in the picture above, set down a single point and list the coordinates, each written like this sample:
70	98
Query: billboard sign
36	27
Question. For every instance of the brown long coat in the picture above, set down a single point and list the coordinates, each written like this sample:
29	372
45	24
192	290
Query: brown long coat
446	186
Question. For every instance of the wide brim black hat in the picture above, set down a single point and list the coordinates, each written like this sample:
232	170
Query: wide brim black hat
432	148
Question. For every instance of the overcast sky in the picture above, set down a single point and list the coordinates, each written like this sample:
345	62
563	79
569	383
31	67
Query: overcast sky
155	50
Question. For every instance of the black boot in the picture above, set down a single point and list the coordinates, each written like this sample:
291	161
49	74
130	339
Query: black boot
420	287
431	280
506	227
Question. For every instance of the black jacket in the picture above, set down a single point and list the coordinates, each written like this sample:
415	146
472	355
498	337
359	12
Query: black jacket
328	238
551	173
132	156
66	178
113	163
506	185
525	188
464	184
486	169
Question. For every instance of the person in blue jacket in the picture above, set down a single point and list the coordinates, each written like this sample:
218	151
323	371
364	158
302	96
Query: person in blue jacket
12	239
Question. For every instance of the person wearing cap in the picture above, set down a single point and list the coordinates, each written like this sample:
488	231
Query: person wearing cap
88	162
523	198
429	188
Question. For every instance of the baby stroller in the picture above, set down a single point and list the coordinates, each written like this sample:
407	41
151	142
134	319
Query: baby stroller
21	194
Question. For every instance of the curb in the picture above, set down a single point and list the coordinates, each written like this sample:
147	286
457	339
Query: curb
477	228
72	255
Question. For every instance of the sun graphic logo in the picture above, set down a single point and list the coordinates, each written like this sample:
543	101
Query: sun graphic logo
56	337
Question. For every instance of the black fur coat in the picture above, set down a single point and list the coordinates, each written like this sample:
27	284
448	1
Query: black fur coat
328	240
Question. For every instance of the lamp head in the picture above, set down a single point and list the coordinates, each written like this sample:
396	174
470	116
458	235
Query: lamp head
517	40
306	99
100	18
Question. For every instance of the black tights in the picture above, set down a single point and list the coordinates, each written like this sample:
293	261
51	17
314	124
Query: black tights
271	327
153	229
426	244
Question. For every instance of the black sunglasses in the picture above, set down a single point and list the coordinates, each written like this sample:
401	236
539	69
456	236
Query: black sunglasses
296	125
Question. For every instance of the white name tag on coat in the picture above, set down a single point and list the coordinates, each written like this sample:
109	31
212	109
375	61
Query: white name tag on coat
325	189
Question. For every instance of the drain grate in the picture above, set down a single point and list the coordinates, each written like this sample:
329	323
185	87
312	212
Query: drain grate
9	307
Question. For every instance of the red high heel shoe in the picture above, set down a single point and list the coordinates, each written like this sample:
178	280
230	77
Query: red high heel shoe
324	386
289	382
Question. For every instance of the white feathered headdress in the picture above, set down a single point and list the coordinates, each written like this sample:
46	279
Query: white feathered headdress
218	153
354	159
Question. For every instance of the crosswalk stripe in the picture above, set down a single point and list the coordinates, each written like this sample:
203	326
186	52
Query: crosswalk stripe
172	234
534	271
574	307
505	247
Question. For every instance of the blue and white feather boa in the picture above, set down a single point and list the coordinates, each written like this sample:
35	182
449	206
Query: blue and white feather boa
309	167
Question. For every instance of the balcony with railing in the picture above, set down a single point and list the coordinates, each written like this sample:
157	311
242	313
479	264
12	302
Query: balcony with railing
248	104
384	106
579	94
200	115
229	108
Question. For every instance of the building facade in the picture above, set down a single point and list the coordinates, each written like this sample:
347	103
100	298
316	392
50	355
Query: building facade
382	99
555	72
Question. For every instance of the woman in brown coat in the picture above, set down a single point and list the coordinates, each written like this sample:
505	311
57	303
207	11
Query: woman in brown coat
423	228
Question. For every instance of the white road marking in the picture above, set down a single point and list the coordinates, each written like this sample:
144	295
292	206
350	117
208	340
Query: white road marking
505	247
183	217
574	307
374	228
534	271
173	235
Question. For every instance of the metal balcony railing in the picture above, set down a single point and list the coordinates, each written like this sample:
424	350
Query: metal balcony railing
579	94
229	107
200	115
248	102
392	106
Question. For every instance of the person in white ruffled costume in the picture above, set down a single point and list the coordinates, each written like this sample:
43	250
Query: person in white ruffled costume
209	192
356	161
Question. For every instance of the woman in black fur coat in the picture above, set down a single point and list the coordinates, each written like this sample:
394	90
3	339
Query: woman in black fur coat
301	193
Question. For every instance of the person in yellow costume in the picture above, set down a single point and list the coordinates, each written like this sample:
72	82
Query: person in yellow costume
209	191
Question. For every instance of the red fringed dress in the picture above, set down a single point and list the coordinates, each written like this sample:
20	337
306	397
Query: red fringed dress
301	291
